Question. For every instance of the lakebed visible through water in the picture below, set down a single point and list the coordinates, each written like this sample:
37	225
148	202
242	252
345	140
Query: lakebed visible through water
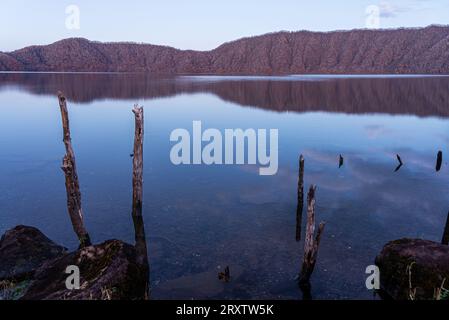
200	219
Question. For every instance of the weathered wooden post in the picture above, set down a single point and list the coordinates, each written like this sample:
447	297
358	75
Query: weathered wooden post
445	239
71	179
300	204
138	161
139	228
439	161
311	244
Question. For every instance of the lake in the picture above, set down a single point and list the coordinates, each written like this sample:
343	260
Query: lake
200	219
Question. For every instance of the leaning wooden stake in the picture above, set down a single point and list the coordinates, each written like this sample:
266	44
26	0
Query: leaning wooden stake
71	179
300	204
445	239
139	228
311	244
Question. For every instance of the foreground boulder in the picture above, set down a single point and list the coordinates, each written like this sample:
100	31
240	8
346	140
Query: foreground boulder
24	249
414	269
106	271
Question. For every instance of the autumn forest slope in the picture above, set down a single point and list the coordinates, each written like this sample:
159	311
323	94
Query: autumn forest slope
424	50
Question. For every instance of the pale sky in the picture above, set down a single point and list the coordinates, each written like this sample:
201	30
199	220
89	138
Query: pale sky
200	24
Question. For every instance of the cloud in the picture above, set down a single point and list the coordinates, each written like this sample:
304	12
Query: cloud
388	10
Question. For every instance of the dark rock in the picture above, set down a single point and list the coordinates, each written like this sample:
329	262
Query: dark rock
423	263
24	249
107	271
33	267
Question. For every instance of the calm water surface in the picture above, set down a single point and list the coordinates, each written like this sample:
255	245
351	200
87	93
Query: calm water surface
200	219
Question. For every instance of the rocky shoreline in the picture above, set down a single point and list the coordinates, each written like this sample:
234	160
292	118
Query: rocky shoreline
33	267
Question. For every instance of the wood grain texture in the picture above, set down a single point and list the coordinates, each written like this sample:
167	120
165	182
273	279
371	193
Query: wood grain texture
71	178
311	242
137	181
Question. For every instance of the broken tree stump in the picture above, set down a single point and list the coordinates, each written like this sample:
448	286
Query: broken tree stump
439	161
445	239
311	243
300	204
139	228
71	178
225	276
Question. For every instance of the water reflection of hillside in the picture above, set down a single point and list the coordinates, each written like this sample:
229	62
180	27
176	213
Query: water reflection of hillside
426	96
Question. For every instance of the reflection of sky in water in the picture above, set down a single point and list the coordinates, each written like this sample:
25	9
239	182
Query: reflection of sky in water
199	218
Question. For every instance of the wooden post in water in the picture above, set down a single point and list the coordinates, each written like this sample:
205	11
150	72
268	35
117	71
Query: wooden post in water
400	163
445	239
399	159
439	160
139	228
138	161
311	244
300	204
71	179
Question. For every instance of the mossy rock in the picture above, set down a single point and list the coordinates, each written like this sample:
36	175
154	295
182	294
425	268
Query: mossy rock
11	290
23	250
414	269
107	271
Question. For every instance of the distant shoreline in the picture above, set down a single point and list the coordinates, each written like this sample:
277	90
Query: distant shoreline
357	52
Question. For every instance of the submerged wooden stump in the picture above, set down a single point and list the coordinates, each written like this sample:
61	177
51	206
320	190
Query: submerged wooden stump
71	178
300	203
139	228
311	244
225	276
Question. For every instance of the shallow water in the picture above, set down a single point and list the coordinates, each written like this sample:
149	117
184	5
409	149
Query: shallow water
200	218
